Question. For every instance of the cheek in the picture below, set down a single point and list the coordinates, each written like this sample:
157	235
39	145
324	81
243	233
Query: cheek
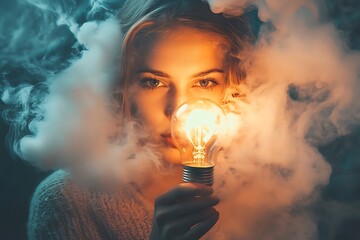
215	95
147	107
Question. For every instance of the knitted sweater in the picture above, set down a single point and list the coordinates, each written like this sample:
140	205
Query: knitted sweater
60	209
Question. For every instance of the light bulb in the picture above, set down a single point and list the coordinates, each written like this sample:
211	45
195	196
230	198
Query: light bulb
196	128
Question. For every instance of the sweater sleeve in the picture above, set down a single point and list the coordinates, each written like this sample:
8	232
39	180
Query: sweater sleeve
58	211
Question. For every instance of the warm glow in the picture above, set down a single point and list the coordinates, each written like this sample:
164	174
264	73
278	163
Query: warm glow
200	126
195	128
200	123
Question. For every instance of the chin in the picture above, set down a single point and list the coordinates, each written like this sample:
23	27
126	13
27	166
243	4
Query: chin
171	155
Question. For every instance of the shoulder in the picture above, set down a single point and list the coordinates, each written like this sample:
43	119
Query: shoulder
59	191
54	189
61	208
53	204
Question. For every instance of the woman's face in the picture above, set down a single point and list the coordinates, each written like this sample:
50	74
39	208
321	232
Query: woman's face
183	64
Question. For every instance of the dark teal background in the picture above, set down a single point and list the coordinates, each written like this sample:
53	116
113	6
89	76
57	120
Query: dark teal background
18	180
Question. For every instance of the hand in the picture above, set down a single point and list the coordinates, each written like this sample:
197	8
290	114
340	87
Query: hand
185	212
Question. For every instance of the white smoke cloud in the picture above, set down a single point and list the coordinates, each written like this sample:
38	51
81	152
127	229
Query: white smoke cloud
303	93
73	123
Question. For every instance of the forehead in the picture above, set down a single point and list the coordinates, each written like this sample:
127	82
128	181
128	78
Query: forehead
186	48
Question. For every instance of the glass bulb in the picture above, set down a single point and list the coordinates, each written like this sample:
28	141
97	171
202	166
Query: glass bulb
196	127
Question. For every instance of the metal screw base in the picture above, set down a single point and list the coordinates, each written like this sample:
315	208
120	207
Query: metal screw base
204	175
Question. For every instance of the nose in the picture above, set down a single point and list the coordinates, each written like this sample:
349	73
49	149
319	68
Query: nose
174	99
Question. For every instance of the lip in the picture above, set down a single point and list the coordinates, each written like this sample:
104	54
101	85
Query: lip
168	139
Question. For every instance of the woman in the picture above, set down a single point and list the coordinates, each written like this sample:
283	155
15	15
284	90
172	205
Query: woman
173	51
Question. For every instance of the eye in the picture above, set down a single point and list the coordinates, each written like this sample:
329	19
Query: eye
206	83
151	83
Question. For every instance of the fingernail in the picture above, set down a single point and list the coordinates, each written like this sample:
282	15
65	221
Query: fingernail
215	200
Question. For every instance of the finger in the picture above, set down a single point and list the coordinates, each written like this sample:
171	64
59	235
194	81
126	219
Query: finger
182	225
189	207
200	229
182	191
166	214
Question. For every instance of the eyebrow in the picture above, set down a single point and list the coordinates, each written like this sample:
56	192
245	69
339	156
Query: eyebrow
163	74
204	73
155	72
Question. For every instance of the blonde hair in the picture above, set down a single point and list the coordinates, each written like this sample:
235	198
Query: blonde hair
141	19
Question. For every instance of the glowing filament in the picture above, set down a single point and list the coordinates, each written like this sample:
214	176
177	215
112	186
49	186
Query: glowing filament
200	126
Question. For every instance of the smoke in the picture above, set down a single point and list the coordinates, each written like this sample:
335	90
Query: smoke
65	117
303	87
303	81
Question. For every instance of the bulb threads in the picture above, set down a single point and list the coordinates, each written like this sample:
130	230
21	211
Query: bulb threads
204	175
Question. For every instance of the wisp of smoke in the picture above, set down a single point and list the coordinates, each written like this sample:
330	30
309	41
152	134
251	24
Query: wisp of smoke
69	115
302	92
303	85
